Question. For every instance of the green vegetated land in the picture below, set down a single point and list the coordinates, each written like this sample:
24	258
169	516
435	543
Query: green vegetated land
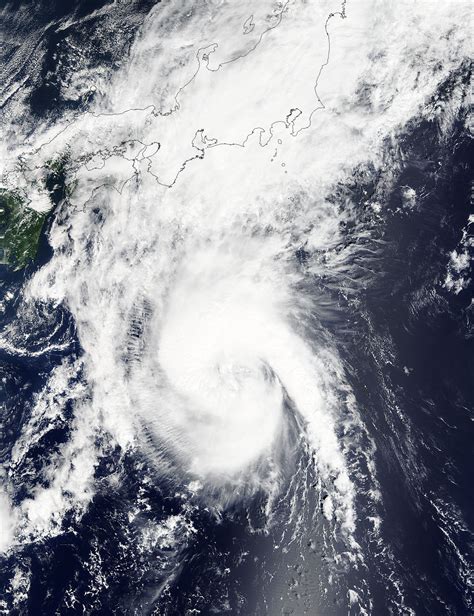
20	225
20	230
56	179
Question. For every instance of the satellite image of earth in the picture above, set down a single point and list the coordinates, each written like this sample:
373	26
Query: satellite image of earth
236	308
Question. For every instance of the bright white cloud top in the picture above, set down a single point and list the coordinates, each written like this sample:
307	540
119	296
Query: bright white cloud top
204	166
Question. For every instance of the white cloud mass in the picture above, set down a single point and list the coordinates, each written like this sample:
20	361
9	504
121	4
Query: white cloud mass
201	170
